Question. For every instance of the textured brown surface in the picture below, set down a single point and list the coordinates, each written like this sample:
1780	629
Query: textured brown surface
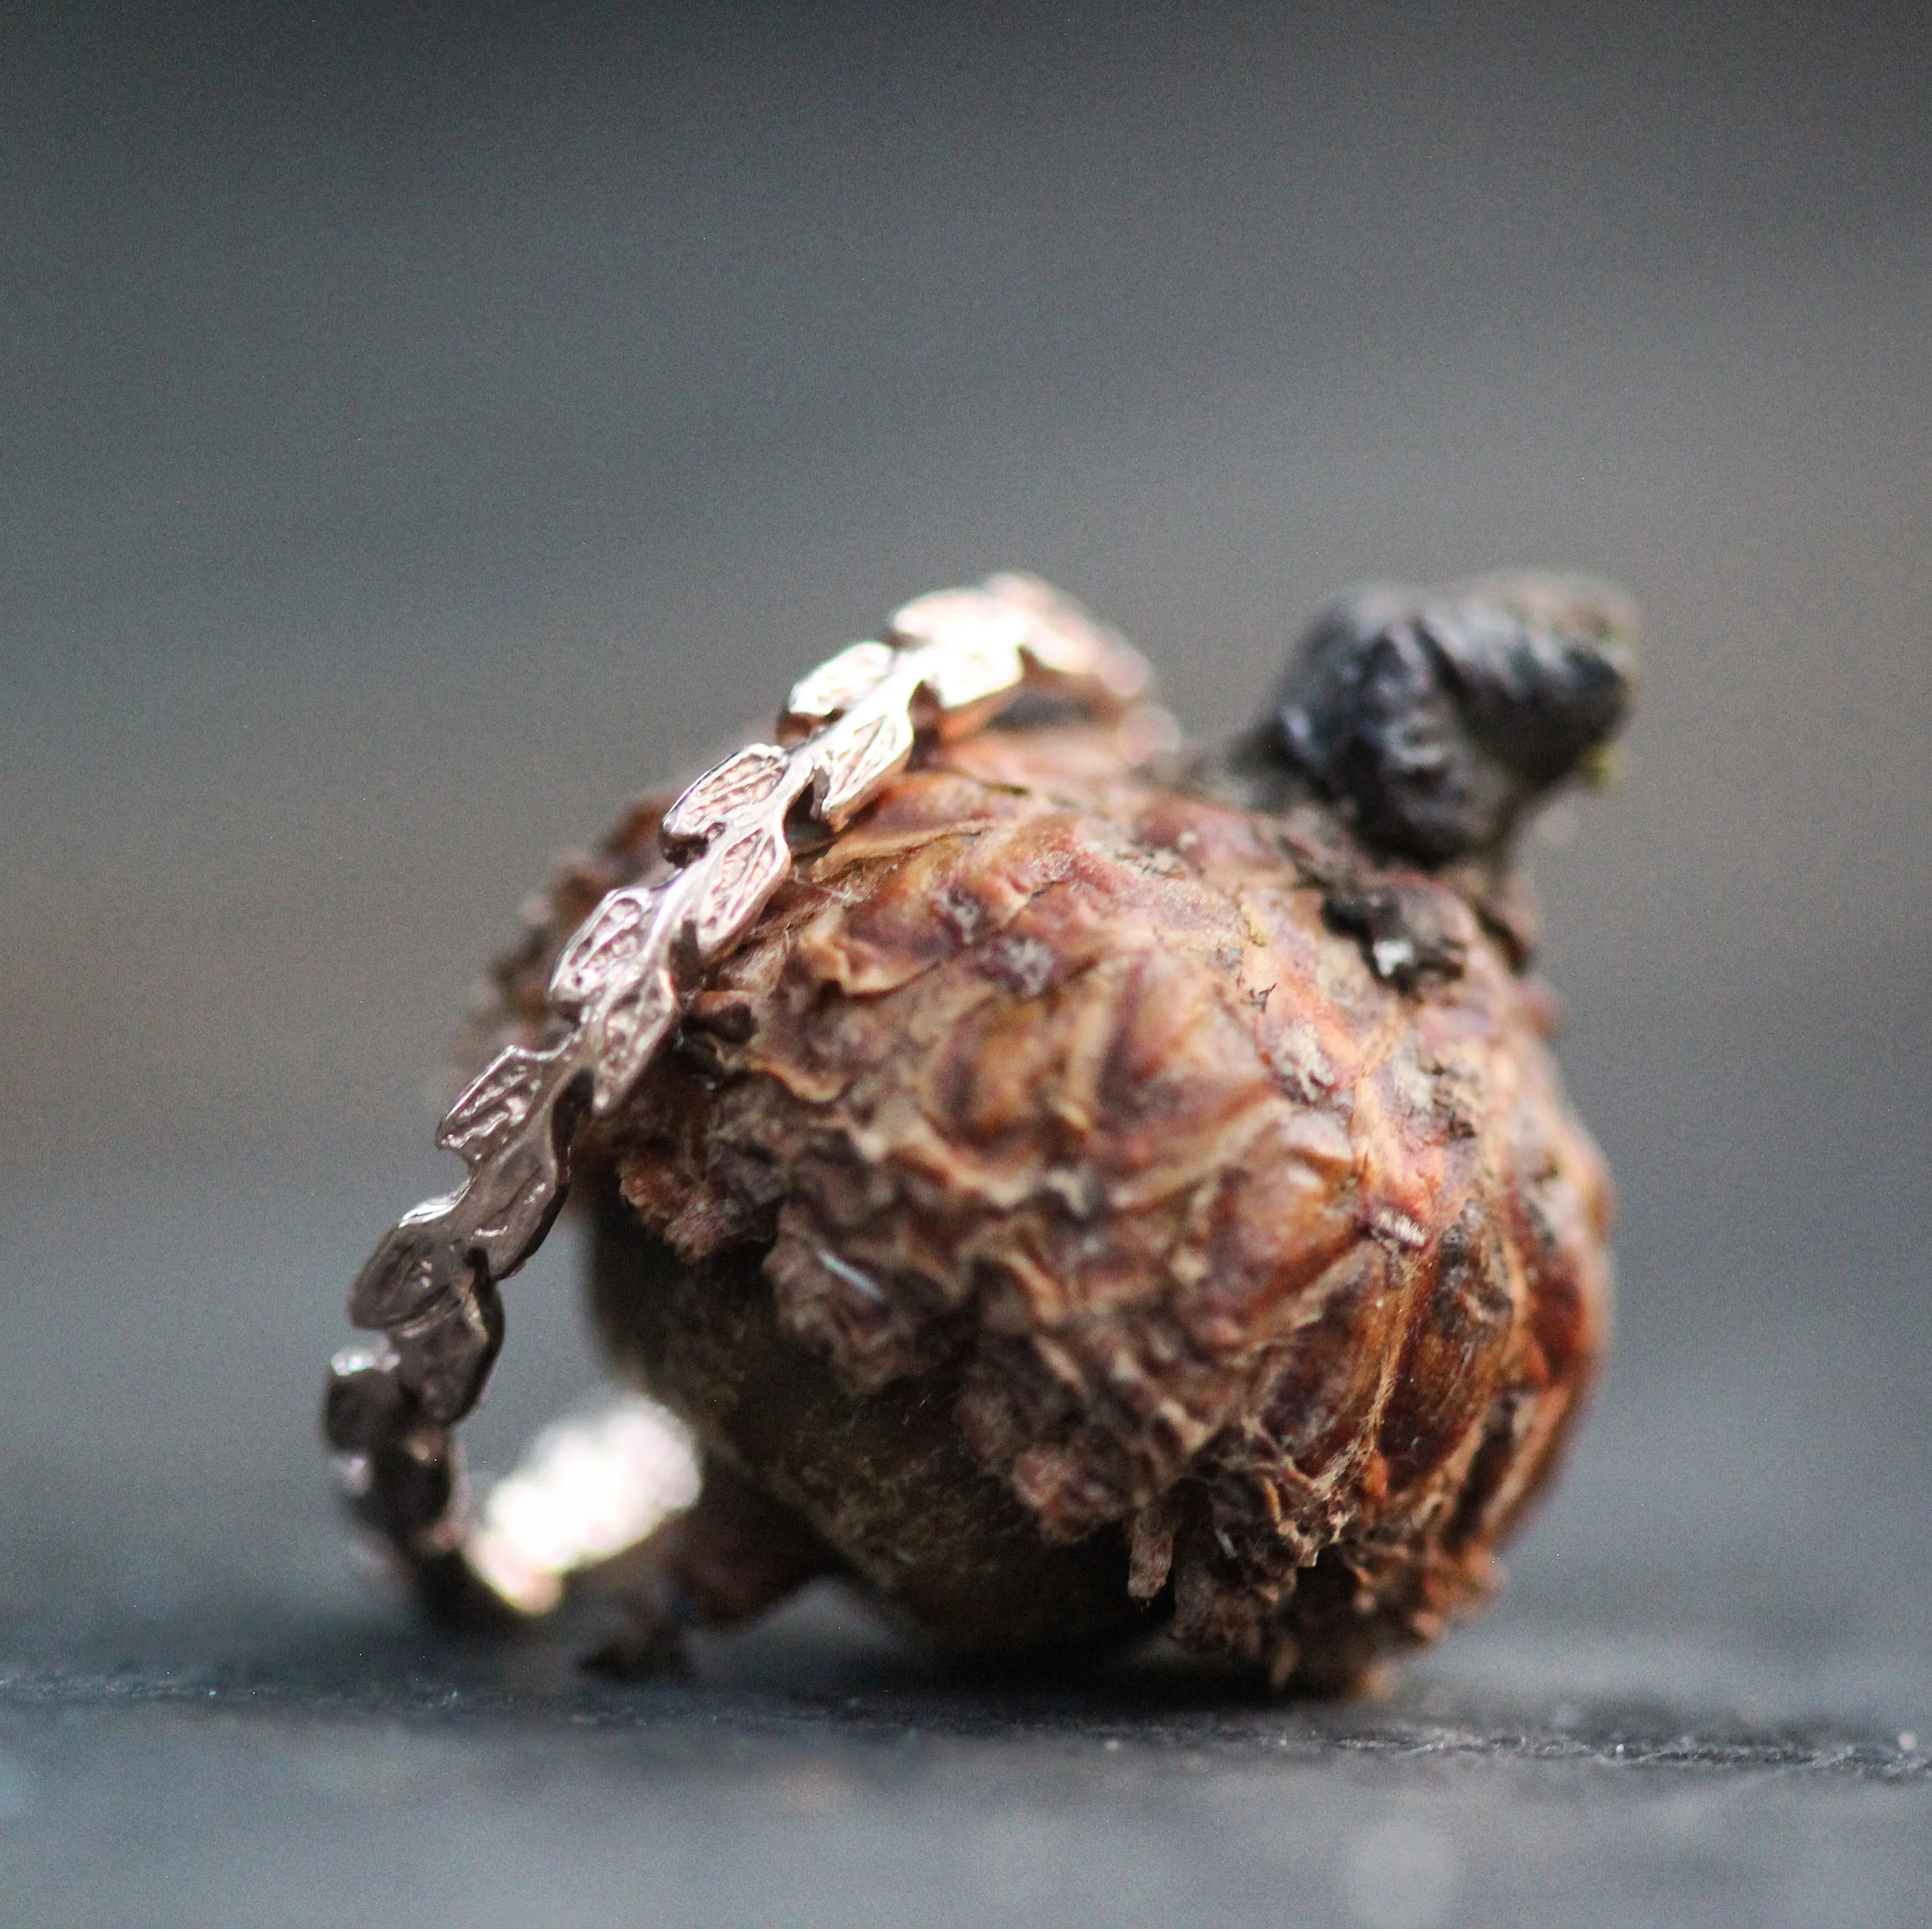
1068	1111
881	1486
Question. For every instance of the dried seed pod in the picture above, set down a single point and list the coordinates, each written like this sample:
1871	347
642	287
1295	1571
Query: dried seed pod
1102	1190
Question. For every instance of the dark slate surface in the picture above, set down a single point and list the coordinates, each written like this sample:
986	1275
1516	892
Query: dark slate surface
373	1784
1703	1700
420	427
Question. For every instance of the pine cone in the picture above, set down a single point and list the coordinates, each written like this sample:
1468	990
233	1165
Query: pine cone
1102	1192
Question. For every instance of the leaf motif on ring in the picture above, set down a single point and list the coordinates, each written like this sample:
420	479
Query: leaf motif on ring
444	1355
608	940
958	616
412	1266
621	1032
855	756
838	682
738	876
1071	644
748	778
967	669
492	1111
516	1206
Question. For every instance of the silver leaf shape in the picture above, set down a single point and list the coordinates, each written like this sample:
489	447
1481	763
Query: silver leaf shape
742	870
855	756
493	1110
708	804
838	683
605	946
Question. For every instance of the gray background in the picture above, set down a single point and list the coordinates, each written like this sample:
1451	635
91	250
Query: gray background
419	428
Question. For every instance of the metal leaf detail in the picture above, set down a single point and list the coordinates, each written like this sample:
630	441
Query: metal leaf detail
493	1108
604	947
744	871
838	682
856	754
1066	640
704	809
949	617
624	1031
404	1275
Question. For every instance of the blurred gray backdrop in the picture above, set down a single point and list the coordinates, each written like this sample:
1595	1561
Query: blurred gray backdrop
421	427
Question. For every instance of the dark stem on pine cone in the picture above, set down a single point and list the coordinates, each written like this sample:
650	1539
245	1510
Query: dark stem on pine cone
1435	721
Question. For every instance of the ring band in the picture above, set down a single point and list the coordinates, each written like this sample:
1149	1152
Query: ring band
949	663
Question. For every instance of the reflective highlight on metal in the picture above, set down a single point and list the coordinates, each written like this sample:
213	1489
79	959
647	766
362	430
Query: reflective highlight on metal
589	1486
949	662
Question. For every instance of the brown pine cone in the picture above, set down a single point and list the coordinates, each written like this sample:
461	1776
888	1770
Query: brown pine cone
1097	1196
